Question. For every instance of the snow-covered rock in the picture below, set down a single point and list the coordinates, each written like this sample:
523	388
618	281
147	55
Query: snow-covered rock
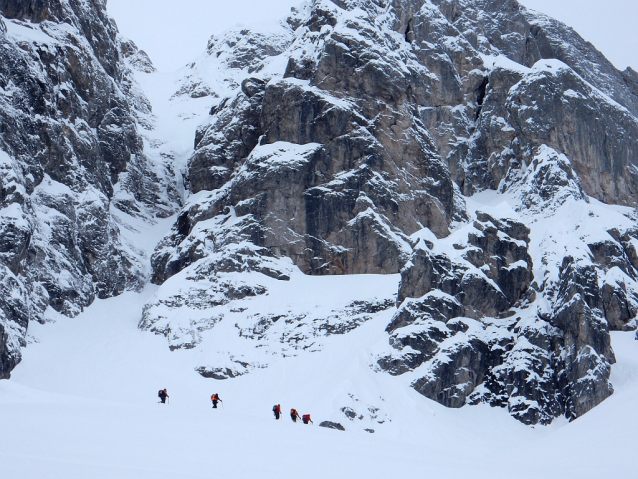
474	149
73	170
344	140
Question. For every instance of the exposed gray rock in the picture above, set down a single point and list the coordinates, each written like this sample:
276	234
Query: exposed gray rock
364	188
221	373
137	58
539	366
349	412
460	353
379	119
527	36
545	184
581	91
332	425
501	276
459	371
500	246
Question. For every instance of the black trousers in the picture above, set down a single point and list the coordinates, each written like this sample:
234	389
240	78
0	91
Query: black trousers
214	403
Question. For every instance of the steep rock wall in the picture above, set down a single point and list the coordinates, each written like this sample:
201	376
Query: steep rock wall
71	158
342	143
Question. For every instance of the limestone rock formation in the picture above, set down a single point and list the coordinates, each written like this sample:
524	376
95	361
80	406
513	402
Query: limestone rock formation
72	161
344	143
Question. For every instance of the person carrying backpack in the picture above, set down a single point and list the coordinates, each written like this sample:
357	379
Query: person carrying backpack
276	411
215	399
306	419
294	415
162	394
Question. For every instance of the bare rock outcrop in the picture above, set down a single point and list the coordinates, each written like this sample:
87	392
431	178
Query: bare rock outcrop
344	143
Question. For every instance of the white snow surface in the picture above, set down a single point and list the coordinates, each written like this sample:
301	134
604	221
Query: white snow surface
83	404
83	401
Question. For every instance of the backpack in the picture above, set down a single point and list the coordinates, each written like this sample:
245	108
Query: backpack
214	397
159	394
293	412
275	408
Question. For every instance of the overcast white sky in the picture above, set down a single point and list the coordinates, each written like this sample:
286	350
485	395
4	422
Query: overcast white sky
609	24
175	32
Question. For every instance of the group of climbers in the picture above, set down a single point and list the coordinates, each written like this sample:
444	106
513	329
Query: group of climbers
163	394
294	415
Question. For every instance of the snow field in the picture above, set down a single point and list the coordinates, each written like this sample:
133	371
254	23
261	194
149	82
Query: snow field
83	404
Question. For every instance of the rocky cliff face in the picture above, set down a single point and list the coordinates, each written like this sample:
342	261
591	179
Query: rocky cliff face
349	141
480	156
73	167
391	94
567	103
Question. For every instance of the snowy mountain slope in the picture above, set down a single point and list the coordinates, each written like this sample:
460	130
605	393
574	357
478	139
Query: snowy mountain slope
381	201
97	417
